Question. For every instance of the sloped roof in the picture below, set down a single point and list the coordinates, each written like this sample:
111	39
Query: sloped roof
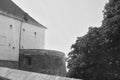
13	74
9	7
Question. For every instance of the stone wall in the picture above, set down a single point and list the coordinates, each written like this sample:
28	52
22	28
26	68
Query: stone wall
43	61
9	64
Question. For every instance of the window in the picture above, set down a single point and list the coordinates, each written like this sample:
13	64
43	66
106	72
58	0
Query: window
13	47
35	33
29	60
23	30
22	47
9	44
10	26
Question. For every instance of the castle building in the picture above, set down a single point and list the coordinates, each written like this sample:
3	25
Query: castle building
19	32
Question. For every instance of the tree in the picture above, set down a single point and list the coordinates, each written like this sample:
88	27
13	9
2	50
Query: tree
96	55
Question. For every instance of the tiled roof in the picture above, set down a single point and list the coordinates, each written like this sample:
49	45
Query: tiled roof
13	74
9	7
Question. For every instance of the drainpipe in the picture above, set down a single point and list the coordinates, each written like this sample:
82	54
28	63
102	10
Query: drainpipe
20	43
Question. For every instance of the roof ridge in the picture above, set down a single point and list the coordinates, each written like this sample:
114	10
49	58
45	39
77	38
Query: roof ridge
10	8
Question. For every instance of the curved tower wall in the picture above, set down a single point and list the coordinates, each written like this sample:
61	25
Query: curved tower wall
43	61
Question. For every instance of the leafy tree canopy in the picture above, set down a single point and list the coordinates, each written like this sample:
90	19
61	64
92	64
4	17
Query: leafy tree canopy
96	55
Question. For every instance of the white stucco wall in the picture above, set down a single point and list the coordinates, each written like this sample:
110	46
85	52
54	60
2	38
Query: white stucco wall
32	37
9	38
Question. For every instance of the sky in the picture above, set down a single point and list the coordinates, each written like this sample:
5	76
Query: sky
65	19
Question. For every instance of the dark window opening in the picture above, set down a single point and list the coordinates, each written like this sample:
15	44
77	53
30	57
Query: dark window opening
35	33
13	47
10	26
24	30
25	19
9	45
29	60
22	47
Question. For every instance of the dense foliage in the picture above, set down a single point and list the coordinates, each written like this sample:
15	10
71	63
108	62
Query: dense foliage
96	55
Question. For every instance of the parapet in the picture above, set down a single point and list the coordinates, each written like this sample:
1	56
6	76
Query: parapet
42	52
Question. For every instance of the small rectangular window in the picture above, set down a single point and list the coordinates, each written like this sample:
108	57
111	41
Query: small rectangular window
11	26
29	60
35	33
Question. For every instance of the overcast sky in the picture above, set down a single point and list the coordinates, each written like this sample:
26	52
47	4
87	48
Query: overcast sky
65	19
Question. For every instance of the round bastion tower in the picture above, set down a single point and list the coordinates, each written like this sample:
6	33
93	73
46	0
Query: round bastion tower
42	61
